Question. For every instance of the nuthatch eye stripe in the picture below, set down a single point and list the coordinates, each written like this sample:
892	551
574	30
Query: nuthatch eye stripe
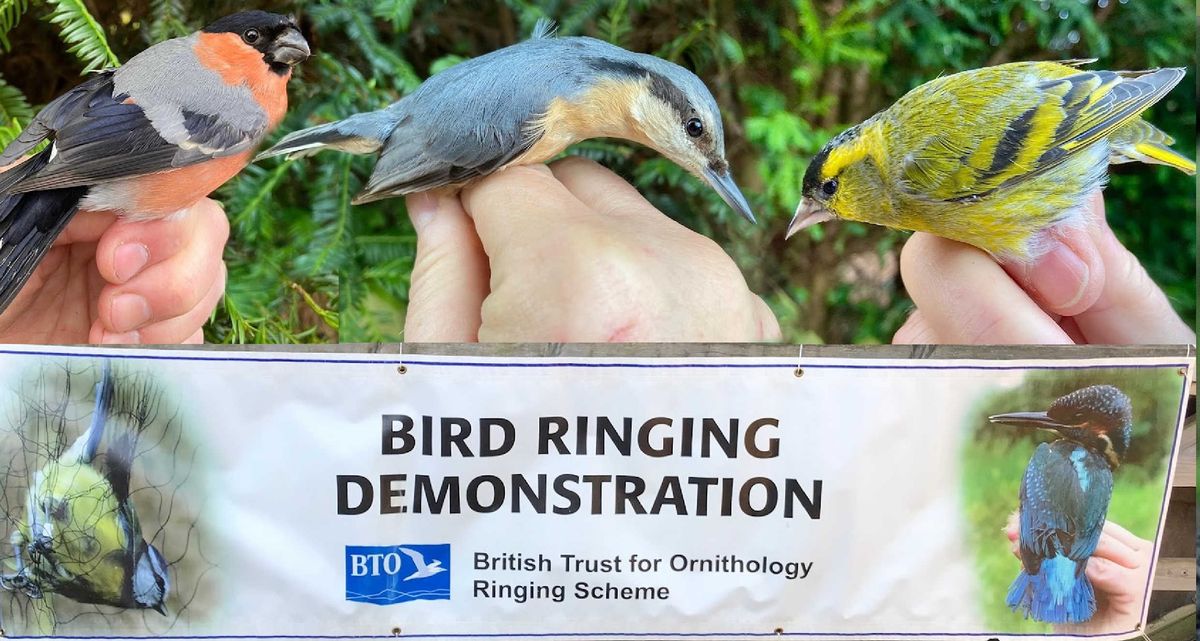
525	104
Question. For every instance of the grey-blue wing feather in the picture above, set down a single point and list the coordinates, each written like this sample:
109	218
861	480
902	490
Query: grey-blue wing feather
473	118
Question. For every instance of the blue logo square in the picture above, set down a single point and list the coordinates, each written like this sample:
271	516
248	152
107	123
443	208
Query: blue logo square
388	574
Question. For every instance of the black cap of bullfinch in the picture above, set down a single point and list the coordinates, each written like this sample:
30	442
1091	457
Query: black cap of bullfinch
276	37
148	139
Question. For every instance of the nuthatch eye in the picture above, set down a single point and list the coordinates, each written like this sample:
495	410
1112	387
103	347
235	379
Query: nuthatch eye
525	104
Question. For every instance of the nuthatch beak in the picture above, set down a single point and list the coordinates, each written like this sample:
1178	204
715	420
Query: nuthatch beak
808	213
723	183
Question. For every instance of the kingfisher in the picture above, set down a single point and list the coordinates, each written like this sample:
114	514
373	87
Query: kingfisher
1064	500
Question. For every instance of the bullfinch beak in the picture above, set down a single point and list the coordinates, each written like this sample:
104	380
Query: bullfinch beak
289	48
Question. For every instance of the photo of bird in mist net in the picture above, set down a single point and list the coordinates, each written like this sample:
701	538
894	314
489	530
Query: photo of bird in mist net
100	503
1064	483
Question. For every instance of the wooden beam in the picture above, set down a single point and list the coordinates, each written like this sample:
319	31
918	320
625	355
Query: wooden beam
1185	469
1175	574
1176	625
747	350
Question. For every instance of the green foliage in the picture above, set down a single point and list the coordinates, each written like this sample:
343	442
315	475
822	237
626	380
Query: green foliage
788	76
995	457
168	19
83	34
10	14
15	112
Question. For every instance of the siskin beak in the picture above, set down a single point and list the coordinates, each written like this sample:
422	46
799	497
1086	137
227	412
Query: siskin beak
723	182
290	48
808	213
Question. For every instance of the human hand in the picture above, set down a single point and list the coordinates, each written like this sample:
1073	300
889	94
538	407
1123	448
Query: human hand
570	253
1090	289
107	280
1117	570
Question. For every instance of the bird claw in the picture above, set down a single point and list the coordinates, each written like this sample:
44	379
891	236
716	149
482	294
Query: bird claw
22	583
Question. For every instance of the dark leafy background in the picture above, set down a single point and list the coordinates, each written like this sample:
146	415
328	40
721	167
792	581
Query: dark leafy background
306	266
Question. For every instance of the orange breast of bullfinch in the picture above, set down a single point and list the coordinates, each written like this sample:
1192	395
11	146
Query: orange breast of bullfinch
239	63
170	191
236	63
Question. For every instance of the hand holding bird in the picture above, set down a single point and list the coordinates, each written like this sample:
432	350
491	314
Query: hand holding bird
963	296
108	281
1117	570
146	140
608	266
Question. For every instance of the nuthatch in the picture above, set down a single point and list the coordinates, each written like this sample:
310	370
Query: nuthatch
525	104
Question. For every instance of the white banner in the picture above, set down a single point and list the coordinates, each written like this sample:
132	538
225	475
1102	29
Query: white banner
242	494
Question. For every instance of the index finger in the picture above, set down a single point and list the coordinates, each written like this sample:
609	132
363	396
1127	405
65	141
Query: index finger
519	209
966	297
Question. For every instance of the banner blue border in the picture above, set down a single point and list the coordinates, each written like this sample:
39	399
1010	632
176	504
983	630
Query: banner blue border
398	360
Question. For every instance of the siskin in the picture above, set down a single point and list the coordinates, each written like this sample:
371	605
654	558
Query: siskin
995	157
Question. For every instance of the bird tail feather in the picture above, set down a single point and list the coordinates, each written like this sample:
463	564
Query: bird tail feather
359	134
1140	141
1160	155
29	223
1059	593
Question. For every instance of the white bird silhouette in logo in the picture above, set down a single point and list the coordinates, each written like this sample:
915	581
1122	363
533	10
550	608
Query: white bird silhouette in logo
424	570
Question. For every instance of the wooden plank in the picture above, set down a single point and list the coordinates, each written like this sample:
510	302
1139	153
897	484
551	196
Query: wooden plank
1185	469
1175	574
1176	625
679	350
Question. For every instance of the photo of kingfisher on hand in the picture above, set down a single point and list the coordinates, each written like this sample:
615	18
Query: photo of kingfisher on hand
1066	482
1064	500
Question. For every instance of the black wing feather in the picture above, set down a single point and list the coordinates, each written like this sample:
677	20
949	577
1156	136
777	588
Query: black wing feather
99	137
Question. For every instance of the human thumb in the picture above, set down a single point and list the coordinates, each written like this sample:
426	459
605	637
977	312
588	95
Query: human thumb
450	273
1069	278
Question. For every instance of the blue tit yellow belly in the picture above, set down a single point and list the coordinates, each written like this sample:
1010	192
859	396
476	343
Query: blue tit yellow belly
80	546
998	157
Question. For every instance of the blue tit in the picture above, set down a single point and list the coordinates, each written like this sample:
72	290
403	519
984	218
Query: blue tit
82	535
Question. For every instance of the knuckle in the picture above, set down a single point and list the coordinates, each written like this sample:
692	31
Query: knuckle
183	292
220	224
574	163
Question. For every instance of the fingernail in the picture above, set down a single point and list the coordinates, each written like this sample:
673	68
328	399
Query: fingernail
422	208
129	259
129	312
1060	278
116	338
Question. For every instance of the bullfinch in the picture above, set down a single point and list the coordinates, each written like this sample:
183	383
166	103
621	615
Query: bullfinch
148	139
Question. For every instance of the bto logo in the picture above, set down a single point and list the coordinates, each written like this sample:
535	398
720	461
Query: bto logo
389	574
